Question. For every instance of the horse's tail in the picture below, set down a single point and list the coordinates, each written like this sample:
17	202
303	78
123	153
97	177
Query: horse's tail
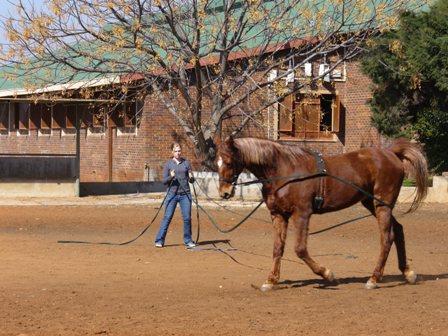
413	154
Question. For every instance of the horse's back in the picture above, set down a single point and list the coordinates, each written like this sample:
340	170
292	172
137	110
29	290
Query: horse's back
366	163
376	171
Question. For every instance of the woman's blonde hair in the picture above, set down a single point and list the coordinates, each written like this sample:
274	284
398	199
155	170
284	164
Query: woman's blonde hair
175	144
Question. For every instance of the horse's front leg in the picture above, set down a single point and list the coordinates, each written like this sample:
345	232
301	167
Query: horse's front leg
280	225
301	221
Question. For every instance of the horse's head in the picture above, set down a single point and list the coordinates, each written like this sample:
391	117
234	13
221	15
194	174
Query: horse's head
229	167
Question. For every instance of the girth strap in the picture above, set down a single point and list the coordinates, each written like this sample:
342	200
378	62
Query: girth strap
321	170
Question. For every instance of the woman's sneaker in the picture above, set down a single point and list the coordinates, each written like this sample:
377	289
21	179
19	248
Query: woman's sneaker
190	245
159	245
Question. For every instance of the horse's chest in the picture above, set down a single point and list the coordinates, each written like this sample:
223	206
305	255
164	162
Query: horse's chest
278	204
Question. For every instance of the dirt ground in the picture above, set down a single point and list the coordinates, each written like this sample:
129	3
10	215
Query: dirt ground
48	288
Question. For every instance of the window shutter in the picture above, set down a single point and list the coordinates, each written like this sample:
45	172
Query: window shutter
84	116
113	117
45	117
335	114
4	116
309	115
87	115
70	117
35	116
129	116
59	116
98	115
22	111
285	114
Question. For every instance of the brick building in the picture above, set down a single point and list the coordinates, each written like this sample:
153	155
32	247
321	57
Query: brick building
125	150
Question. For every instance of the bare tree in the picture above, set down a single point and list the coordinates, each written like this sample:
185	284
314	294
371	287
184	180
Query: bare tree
201	58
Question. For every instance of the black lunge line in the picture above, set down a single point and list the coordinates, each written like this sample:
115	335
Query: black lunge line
126	242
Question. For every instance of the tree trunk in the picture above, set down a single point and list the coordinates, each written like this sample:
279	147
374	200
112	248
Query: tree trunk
205	149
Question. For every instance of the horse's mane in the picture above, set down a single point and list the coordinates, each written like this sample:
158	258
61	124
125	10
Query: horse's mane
265	152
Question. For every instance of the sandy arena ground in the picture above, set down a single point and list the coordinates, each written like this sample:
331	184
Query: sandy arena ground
48	288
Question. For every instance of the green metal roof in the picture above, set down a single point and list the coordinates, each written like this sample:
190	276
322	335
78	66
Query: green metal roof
312	17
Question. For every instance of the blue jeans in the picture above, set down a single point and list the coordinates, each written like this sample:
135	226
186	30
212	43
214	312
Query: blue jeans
170	205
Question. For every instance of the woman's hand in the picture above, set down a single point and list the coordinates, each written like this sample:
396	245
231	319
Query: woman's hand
190	177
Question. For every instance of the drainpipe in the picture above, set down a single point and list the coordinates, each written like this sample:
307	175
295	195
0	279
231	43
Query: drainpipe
111	148
78	153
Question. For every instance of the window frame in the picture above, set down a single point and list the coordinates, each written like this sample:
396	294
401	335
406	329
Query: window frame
290	127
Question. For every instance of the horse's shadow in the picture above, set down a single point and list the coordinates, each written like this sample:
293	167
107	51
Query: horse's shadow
388	281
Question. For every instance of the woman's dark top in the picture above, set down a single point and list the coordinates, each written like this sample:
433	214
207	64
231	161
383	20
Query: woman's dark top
180	183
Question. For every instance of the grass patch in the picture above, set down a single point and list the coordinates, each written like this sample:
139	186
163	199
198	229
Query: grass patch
411	183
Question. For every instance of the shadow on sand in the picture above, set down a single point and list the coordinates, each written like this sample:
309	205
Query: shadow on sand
388	281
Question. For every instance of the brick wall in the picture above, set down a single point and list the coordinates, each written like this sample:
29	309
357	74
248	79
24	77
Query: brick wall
150	146
355	93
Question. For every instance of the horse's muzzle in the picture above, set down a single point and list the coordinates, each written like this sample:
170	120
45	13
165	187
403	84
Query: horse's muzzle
227	193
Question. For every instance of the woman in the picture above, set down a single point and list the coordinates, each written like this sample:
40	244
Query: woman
176	174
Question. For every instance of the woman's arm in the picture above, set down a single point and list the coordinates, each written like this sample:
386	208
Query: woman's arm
166	174
190	173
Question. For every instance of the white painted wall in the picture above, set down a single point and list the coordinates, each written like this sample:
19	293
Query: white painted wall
438	193
38	189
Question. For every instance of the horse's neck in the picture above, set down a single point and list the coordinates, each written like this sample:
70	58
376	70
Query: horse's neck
258	171
283	165
262	170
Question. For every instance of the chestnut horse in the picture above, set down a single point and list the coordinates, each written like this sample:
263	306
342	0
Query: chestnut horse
372	176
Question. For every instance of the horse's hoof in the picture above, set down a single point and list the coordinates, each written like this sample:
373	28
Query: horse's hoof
371	284
266	287
411	277
328	275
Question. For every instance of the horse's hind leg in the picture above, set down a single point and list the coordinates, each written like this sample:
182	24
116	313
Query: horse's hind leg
398	236
383	215
280	229
403	265
301	222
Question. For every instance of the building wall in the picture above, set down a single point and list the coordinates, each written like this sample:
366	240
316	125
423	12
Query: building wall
140	156
356	129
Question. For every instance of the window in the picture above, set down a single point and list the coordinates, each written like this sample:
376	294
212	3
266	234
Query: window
309	116
40	118
123	116
127	117
64	118
23	117
97	123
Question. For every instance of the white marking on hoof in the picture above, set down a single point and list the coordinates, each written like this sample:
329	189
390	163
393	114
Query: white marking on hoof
411	277
328	275
266	287
371	284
